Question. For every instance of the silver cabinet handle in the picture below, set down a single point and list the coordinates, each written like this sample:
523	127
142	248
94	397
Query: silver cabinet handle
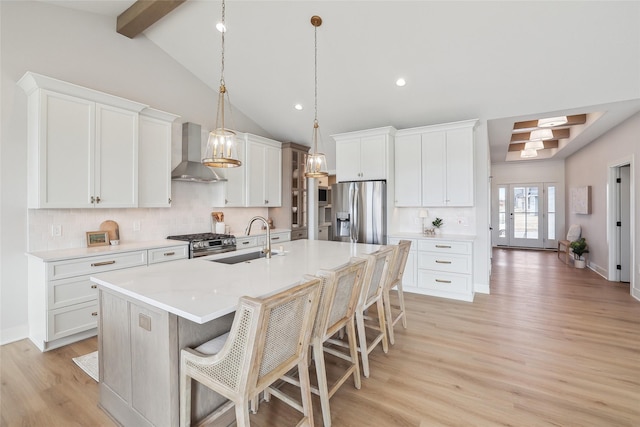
443	246
94	314
275	238
169	253
443	281
443	262
245	243
100	264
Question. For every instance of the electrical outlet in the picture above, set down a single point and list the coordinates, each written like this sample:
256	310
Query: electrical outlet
56	230
416	221
136	225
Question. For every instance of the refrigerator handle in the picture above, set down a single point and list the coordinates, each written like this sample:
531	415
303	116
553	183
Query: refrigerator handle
355	226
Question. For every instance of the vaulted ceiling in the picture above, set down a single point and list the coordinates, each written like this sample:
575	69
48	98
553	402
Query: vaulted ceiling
503	62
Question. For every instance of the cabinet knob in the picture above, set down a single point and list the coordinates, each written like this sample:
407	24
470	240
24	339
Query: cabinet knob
94	314
266	202
169	200
93	200
94	286
226	201
98	199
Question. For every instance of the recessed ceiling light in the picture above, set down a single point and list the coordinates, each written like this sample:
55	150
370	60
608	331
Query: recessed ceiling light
298	107
401	82
221	27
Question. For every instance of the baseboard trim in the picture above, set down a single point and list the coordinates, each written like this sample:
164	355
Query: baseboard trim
10	335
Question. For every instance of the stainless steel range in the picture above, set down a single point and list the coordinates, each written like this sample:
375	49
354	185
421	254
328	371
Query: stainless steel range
207	243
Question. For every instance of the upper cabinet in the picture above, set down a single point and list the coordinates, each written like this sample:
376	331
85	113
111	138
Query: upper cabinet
293	212
258	181
364	155
434	165
264	172
154	158
83	146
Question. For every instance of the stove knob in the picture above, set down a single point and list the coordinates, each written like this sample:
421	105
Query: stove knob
197	245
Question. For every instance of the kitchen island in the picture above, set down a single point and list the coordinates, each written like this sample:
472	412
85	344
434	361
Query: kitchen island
147	315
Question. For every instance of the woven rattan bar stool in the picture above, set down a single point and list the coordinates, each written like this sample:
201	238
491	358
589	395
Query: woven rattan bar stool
268	338
396	272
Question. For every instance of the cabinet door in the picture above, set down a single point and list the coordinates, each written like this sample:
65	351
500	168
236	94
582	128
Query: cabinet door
433	168
256	174
235	185
154	163
373	158
116	163
459	175
273	176
348	160
63	153
408	170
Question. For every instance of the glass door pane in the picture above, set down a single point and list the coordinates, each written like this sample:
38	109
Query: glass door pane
526	217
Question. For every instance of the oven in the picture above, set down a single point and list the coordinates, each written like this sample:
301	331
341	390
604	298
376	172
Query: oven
204	244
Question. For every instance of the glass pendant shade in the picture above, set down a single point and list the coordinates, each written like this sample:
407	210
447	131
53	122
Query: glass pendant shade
552	121
541	135
315	163
534	145
527	154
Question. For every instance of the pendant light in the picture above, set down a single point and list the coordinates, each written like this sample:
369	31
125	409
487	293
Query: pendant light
534	145
528	154
541	135
552	121
316	163
221	151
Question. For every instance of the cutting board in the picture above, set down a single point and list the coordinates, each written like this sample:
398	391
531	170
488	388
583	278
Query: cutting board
112	228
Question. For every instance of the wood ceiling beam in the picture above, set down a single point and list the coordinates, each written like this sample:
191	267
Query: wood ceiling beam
519	146
576	119
142	14
557	133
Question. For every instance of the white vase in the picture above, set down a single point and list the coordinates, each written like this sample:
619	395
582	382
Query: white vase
579	263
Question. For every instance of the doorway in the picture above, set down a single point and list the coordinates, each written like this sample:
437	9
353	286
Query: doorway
526	215
620	220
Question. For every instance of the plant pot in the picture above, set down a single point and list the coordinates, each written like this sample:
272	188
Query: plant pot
579	263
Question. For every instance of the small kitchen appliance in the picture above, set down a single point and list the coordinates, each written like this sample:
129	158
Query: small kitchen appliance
204	244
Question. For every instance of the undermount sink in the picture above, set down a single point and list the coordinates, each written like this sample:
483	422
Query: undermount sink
240	258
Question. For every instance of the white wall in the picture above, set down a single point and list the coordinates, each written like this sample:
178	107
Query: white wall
84	49
589	166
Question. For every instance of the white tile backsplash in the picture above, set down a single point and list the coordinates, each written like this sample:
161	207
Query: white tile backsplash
404	220
190	212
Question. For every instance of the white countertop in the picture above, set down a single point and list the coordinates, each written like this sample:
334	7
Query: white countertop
201	290
63	254
453	237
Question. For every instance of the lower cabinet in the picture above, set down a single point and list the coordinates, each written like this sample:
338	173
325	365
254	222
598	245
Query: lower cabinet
63	302
245	242
439	267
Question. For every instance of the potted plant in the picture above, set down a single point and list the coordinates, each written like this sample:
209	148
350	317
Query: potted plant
437	223
579	247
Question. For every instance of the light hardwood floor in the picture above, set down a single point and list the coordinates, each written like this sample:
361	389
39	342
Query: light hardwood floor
551	346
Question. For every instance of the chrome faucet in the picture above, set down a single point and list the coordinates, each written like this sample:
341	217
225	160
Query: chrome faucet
267	249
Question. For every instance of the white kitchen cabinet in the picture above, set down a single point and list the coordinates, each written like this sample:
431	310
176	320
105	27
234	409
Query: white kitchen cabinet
364	155
62	301
264	172
235	188
434	166
258	240
154	158
82	146
441	267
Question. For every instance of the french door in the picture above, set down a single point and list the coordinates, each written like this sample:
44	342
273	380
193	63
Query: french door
526	215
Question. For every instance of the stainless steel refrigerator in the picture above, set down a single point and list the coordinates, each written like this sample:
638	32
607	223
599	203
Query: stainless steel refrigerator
359	212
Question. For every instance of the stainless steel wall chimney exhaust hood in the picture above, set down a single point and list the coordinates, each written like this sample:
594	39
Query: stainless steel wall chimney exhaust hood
191	169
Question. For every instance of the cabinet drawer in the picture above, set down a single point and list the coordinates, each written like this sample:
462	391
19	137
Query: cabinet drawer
275	238
298	234
444	246
171	253
96	264
445	262
444	282
70	320
246	242
71	291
